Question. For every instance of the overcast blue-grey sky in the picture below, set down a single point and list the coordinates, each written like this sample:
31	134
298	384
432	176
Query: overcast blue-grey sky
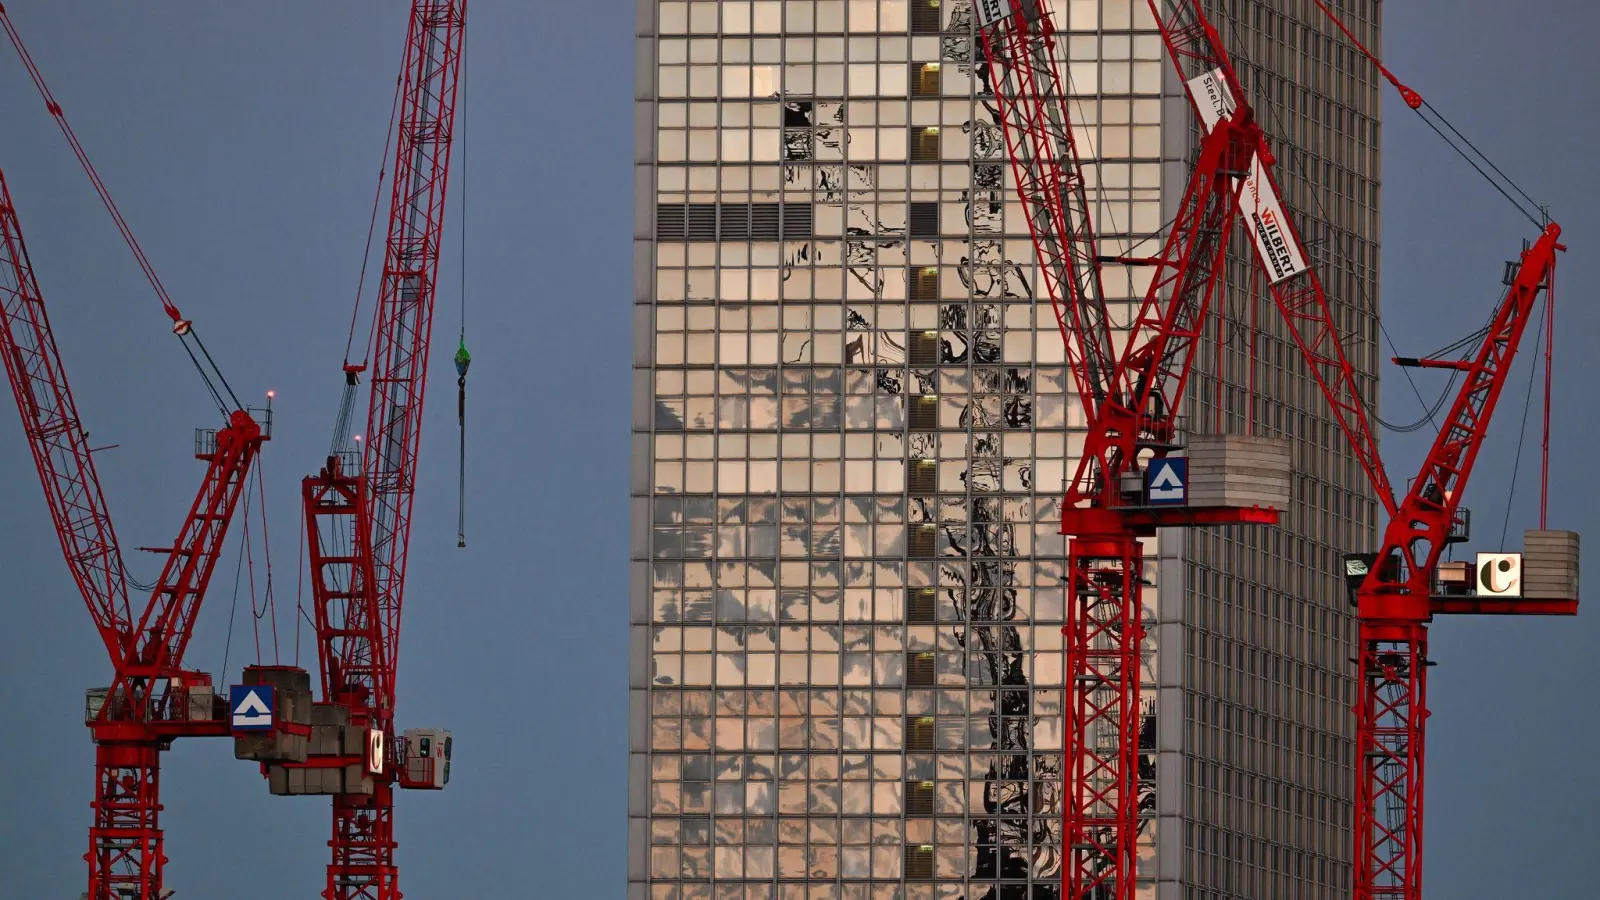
242	142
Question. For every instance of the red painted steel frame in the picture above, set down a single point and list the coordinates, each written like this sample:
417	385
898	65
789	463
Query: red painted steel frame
358	596
1048	175
59	441
1105	633
1195	48
1105	628
1400	584
1395	603
406	293
1147	384
1131	407
147	705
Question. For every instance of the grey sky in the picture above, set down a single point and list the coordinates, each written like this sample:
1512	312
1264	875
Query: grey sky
243	140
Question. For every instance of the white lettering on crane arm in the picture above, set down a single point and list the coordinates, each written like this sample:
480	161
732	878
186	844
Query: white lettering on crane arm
1269	227
991	11
1211	97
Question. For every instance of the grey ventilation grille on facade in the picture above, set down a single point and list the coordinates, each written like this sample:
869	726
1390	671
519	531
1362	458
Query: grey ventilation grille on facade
919	862
919	798
919	734
733	221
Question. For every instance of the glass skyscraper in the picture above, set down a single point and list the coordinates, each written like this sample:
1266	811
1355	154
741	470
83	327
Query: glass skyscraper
851	424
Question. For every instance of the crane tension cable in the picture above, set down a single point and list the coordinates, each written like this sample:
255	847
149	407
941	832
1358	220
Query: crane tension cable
210	373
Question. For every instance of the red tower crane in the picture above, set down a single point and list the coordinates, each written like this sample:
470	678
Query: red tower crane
1398	591
153	699
1131	403
359	636
1130	406
358	513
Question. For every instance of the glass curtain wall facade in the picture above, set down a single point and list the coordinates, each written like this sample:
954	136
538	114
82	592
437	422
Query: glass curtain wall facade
1265	677
851	425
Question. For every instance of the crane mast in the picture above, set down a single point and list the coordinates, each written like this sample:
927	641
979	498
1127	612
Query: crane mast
152	699
359	511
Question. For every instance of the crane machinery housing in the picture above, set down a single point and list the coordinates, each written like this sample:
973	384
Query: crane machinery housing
1131	402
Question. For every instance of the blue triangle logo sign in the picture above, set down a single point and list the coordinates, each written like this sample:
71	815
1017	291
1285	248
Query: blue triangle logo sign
1167	481
250	707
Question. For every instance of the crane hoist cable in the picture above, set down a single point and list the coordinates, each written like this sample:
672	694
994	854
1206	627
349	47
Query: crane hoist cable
1522	431
1416	102
210	373
352	371
1461	145
463	359
1423	108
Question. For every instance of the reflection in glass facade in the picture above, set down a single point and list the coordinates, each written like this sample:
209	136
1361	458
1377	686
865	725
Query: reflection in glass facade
851	426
